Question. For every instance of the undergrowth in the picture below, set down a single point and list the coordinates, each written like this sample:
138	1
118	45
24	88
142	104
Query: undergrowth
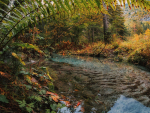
30	90
134	49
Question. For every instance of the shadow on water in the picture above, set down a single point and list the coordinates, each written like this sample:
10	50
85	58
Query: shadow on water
108	86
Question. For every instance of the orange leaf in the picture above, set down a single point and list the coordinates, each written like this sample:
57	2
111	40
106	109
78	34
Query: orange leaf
33	80
55	98
78	103
67	103
76	90
50	93
63	96
40	86
6	75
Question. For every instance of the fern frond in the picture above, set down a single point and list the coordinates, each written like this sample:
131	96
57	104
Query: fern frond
43	11
14	18
25	11
77	2
9	21
4	4
57	5
3	11
28	6
18	13
62	6
67	4
91	3
98	3
50	6
34	4
85	4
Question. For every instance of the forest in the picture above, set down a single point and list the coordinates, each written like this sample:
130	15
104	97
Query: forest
74	56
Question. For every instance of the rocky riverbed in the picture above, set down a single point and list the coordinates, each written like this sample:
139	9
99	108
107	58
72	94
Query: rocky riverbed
98	84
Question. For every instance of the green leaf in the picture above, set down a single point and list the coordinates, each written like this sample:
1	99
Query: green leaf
50	6
53	112
42	92
21	103
48	111
77	2
4	4
37	98
57	5
31	105
29	109
98	3
43	67
67	4
1	52
53	106
25	11
50	99
62	6
24	72
27	45
28	87
59	105
3	99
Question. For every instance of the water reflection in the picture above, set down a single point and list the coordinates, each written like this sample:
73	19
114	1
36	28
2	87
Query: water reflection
115	72
86	62
128	105
122	105
68	110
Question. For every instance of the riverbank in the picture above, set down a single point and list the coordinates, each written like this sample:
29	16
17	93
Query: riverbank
135	50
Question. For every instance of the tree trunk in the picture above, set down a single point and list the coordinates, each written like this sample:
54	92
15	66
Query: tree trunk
105	26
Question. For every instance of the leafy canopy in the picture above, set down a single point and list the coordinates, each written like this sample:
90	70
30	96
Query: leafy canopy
18	18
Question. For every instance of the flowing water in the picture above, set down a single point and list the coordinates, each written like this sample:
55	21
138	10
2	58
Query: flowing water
102	85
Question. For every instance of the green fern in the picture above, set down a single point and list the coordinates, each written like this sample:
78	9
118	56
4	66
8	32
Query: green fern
37	98
67	4
50	7
3	99
22	104
57	5
63	6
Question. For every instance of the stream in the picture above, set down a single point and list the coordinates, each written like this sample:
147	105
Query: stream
101	85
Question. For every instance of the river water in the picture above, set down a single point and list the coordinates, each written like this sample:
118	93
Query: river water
104	85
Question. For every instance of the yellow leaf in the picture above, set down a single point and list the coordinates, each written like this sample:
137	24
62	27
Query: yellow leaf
19	58
48	74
